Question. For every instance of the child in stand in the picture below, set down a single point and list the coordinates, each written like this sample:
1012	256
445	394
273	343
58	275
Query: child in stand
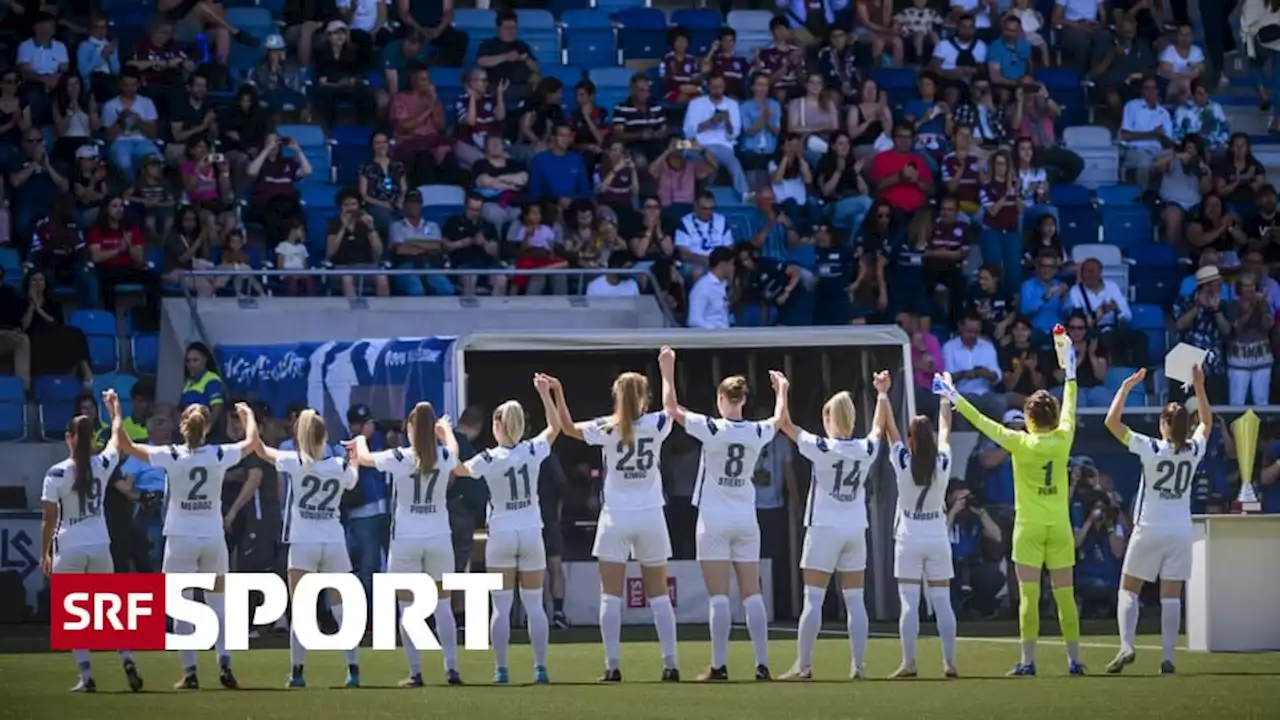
1031	21
681	79
919	24
234	257
152	193
292	254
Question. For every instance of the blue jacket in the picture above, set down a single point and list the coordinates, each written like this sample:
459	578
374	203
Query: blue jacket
558	176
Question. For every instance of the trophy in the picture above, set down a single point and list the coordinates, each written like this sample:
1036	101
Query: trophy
1245	430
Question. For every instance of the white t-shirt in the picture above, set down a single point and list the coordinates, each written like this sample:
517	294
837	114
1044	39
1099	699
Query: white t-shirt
366	14
512	476
1182	64
730	449
194	487
840	469
313	498
293	256
632	472
700	238
1163	498
922	511
418	499
140	105
601	287
80	519
948	51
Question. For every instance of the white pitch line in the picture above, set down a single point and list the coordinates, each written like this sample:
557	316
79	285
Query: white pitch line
995	640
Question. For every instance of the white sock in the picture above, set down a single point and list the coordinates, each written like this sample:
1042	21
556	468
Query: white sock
218	602
810	625
535	620
611	629
126	656
1170	622
297	653
719	630
500	625
82	664
858	625
664	620
181	627
351	653
410	650
447	630
1028	652
1127	608
909	621
758	626
945	615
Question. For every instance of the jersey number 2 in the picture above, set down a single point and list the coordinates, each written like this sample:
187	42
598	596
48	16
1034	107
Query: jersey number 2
199	476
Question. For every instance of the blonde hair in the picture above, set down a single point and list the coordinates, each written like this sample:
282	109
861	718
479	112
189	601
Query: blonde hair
422	436
839	411
630	401
194	425
734	389
509	419
310	436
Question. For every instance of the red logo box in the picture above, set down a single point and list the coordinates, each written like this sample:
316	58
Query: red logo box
107	612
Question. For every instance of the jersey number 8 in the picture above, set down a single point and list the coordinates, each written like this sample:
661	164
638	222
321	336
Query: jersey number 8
640	450
733	465
314	485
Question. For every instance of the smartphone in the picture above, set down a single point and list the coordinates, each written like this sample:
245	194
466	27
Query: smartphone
684	144
217	158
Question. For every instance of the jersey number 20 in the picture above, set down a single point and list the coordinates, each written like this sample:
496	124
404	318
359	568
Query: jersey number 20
1180	473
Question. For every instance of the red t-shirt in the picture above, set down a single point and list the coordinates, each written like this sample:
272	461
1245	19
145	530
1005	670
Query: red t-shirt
903	195
109	240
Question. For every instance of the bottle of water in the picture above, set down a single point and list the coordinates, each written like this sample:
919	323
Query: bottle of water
1061	345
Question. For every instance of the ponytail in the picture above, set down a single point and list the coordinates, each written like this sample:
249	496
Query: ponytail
1178	420
630	401
310	436
924	450
509	419
422	436
81	435
194	425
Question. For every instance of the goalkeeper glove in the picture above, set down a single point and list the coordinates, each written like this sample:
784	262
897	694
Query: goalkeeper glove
943	387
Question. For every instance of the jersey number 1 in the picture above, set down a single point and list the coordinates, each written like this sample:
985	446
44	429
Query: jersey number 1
1048	474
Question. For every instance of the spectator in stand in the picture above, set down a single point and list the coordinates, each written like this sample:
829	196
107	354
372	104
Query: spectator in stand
1032	117
1146	130
1204	118
770	291
782	61
1185	179
1118	69
1100	546
187	248
1092	363
190	118
945	253
1207	258
473	244
900	176
869	119
614	284
1043	298
700	233
1239	177
733	68
117	249
339	75
1002	206
15	346
75	115
501	181
1212	482
202	384
243	126
1252	261
368	22
678	172
1024	367
382	184
1248	344
1263	227
57	249
130	121
681	81
920	25
928	115
508	60
617	183
538	116
35	182
790	176
88	184
591	131
1199	321
418	243
559	175
56	347
842	186
478	114
1102	302
974	365
709	299
981	113
417	116
433	21
990	299
1009	58
1083	24
714	121
815	117
651	242
877	241
304	22
352	241
208	18
926	359
1213	227
399	58
160	61
968	524
908	271
640	121
43	61
835	273
274	200
873	26
961	57
206	180
280	80
837	62
962	170
538	250
98	59
1181	63
777	233
761	126
1041	239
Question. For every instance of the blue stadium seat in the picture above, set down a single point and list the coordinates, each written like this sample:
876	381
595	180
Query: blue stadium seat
702	24
1116	375
320	197
13	409
442	195
56	397
146	353
535	20
1147	317
589	38
349	148
121	383
1069	194
1125	225
11	262
1119	194
1157	273
99	328
617	6
899	86
642	32
309	137
611	77
570	75
483	22
1077	225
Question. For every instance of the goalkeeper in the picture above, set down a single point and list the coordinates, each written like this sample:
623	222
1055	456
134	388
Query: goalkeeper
1042	534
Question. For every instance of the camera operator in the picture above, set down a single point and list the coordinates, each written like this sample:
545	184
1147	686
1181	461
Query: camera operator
977	581
1100	546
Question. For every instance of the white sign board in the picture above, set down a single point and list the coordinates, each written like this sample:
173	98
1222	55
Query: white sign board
684	584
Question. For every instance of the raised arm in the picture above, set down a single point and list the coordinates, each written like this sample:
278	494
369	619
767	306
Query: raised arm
358	451
266	452
1010	440
886	423
944	422
119	439
543	386
1202	403
250	422
882	383
1114	421
445	435
667	364
782	405
564	417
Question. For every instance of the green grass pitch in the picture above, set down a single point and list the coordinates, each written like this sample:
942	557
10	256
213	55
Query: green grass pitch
1231	687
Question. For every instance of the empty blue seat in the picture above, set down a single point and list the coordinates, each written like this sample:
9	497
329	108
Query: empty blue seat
1057	79
13	409
1147	317
570	75
319	196
642	33
11	263
472	21
56	397
1119	194
146	353
616	6
589	38
121	383
308	137
535	20
1069	194
1125	225
1077	225
99	328
351	135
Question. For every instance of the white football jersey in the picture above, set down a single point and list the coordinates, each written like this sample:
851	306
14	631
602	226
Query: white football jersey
922	511
730	449
193	487
840	469
512	476
313	497
418	500
632	471
1163	498
81	522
